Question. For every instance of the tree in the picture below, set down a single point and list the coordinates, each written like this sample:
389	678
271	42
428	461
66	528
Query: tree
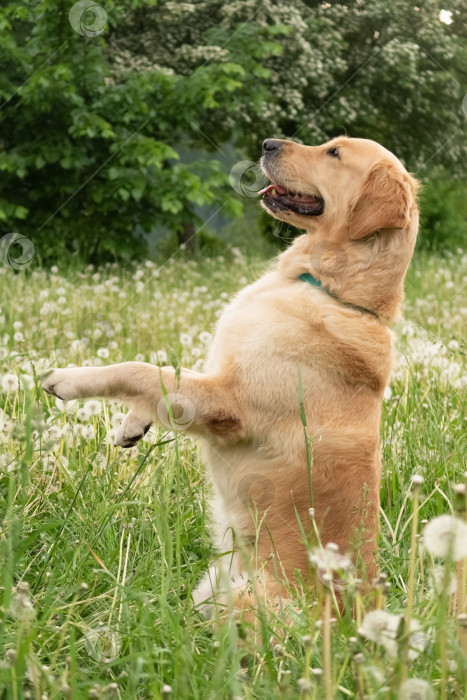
383	69
97	118
89	153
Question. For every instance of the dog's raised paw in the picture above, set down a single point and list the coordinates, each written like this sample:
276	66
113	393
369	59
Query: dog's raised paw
60	383
131	431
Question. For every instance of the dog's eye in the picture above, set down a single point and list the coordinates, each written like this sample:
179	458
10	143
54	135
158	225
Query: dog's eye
333	152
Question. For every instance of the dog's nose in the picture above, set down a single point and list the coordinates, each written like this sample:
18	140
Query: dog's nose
271	145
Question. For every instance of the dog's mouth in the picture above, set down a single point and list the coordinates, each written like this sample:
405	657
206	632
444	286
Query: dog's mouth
276	198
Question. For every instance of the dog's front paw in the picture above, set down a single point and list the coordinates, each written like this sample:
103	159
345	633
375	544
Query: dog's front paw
63	384
131	430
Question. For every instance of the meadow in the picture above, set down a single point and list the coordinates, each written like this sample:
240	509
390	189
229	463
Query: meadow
101	547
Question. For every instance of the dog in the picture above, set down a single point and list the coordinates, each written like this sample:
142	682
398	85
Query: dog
289	405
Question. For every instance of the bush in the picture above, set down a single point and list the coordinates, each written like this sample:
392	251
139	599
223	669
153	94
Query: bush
443	222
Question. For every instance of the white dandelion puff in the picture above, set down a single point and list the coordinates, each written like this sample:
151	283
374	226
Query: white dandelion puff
446	536
205	337
87	432
382	628
158	358
333	568
10	382
185	339
21	605
117	419
26	381
376	626
103	353
83	414
93	406
441	579
415	689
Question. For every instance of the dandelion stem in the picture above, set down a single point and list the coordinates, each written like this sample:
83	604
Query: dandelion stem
411	583
327	646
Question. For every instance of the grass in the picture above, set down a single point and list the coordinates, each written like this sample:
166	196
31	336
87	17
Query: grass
101	548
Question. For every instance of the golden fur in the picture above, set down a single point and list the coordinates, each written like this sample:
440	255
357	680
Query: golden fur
245	406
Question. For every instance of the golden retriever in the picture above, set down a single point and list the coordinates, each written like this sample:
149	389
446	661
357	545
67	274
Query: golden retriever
309	342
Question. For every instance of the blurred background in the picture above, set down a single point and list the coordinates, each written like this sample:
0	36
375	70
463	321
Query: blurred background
128	129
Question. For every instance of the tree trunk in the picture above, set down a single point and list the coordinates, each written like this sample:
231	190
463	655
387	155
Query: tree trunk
186	236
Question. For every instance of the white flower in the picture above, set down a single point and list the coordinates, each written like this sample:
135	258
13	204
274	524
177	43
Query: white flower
18	337
77	346
139	357
21	605
185	339
87	432
103	353
117	419
381	627
26	380
439	580
10	382
65	405
54	432
83	414
158	358
332	566
205	337
377	625
387	393
415	689
94	407
446	536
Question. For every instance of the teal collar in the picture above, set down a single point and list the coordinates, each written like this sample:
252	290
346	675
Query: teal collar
307	277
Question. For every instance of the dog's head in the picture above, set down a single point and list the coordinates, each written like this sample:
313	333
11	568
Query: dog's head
360	204
352	185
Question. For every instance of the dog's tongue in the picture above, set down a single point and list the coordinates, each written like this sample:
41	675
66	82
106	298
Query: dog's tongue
278	188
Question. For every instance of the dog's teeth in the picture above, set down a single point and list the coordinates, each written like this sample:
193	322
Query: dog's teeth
274	192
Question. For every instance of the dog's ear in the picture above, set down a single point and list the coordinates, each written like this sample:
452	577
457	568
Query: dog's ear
385	201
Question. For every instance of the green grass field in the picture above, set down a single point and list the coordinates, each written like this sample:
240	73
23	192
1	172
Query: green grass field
101	547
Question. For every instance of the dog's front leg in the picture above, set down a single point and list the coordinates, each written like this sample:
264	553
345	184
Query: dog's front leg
184	401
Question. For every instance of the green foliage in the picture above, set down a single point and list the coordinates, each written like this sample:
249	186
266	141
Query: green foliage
88	155
94	128
443	223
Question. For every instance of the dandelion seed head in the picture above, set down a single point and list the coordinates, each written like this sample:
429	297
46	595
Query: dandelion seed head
93	406
10	382
83	414
416	689
446	536
440	579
